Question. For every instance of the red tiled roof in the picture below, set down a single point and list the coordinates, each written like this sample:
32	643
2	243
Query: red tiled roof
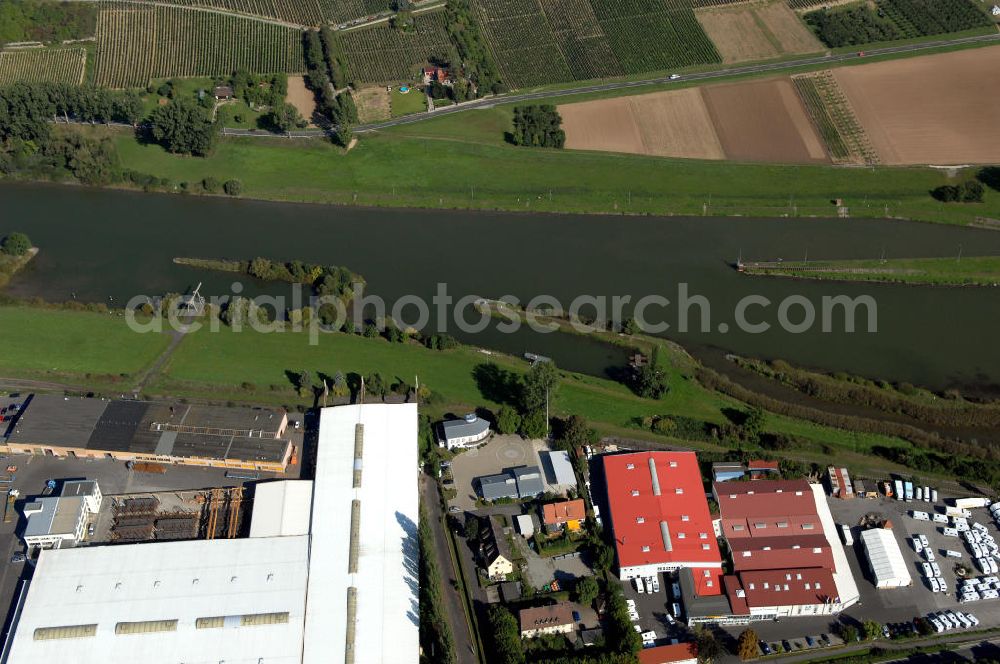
771	526
637	513
680	652
570	510
764	498
782	587
760	464
781	553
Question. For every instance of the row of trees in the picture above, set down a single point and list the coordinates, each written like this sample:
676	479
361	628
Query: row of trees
969	191
321	72
435	635
476	61
27	109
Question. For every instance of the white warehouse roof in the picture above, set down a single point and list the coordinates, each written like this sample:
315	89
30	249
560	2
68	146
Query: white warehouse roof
281	508
885	558
385	581
149	603
278	597
562	468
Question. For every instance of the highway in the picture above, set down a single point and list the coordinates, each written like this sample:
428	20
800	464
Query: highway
764	68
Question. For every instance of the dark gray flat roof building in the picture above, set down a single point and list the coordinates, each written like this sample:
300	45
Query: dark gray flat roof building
143	430
522	482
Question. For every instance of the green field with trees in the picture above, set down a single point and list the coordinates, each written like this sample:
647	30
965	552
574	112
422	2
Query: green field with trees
889	20
43	21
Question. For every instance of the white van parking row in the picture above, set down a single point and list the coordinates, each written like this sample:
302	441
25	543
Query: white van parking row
648	584
942	621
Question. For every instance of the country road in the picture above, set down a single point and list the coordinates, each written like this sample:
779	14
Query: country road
775	67
454	606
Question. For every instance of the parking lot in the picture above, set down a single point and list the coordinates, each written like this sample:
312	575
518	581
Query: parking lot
500	453
655	609
900	604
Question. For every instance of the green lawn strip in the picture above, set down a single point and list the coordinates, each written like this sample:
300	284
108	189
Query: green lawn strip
951	271
42	343
414	101
396	171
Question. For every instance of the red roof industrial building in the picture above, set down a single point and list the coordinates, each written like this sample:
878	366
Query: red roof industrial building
660	517
783	558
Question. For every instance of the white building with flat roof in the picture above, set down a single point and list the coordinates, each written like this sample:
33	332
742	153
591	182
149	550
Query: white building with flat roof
363	580
239	600
281	509
329	573
57	521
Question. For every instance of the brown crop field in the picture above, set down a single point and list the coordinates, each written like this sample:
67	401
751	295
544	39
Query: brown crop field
736	35
748	121
301	97
763	121
937	109
666	124
756	32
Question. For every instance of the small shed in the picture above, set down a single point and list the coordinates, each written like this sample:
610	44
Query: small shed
222	92
525	525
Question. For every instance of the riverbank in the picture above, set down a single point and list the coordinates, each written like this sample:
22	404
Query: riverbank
97	351
11	265
952	271
462	162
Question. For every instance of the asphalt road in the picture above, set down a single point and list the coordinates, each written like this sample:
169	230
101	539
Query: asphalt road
454	606
785	65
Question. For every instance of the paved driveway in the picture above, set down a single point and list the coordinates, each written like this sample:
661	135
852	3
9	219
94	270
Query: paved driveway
500	453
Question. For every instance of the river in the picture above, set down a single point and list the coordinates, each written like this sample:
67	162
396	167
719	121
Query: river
110	246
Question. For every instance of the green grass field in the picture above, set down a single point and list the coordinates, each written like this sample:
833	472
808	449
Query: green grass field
967	271
40	343
466	151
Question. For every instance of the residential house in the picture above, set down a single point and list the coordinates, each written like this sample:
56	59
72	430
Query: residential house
464	433
551	619
494	552
568	514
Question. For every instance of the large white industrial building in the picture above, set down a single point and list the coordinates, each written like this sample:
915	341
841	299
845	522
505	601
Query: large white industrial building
334	583
885	559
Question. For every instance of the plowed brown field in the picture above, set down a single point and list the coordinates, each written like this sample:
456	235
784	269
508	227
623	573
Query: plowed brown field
938	109
763	121
665	124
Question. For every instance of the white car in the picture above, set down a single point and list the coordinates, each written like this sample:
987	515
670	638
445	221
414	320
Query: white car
674	77
656	585
649	585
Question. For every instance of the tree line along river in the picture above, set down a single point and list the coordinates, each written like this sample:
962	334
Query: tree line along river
108	246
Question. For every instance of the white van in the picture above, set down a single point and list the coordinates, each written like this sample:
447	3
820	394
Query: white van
949	532
952	554
940	518
921	516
